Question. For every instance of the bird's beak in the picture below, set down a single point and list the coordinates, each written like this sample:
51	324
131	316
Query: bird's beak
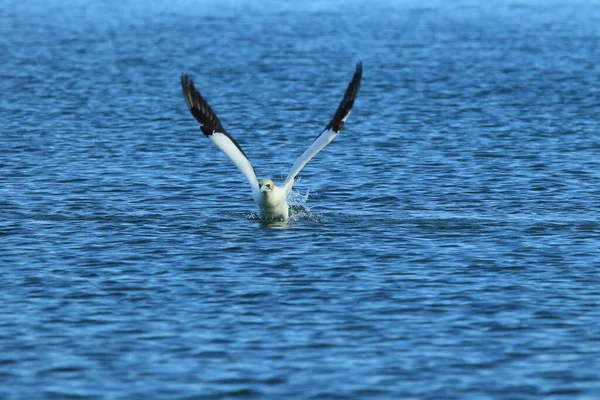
264	189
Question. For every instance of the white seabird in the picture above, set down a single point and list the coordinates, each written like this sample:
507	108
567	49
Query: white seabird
271	199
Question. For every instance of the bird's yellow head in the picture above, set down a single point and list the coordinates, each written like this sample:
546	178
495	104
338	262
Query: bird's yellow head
266	186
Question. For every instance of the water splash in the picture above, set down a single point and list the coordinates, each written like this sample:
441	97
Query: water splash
298	207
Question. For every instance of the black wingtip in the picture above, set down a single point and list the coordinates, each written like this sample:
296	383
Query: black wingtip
337	122
202	112
186	81
187	87
357	78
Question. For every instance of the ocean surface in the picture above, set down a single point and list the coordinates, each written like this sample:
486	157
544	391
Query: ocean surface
446	245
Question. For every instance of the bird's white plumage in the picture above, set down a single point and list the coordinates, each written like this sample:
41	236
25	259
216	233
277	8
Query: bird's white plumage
271	199
239	159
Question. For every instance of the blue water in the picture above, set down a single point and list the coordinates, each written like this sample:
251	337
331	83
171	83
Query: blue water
449	247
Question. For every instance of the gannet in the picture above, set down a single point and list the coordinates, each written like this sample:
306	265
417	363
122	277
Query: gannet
270	198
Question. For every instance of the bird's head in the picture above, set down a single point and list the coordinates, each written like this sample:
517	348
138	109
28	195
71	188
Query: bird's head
266	186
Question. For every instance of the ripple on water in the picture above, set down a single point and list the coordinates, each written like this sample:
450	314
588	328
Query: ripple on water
448	248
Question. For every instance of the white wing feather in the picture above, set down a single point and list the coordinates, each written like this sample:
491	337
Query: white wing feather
331	130
321	141
239	159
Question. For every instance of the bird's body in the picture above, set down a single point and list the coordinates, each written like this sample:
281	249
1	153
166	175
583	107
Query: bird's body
271	199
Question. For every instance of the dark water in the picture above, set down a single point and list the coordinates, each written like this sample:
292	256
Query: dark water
452	245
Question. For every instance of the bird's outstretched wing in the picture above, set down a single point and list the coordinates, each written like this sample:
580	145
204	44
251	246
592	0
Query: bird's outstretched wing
212	128
331	130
